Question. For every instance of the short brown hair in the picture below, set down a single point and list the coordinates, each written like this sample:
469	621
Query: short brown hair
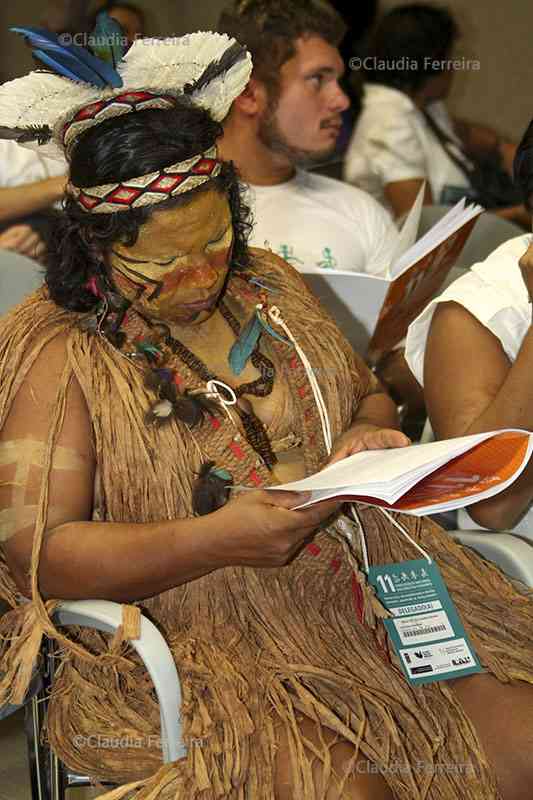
270	28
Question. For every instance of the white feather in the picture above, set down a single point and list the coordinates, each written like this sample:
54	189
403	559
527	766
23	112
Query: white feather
42	98
167	65
161	65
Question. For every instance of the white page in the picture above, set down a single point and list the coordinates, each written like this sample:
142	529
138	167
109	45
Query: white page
373	469
386	466
451	222
406	237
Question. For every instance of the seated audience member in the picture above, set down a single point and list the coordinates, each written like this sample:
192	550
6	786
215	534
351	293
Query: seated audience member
472	349
291	689
405	134
29	185
129	16
288	118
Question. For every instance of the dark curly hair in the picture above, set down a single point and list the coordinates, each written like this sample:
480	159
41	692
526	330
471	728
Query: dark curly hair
117	150
523	167
410	43
269	30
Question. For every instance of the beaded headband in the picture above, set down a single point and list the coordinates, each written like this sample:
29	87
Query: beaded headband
95	113
149	189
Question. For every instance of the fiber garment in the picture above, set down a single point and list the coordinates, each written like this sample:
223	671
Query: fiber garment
256	649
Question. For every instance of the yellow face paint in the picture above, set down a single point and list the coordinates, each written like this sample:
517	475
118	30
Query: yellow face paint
176	270
17	458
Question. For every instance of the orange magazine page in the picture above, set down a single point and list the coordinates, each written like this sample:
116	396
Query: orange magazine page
488	464
409	294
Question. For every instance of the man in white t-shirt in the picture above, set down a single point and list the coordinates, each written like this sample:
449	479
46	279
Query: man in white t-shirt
29	183
289	117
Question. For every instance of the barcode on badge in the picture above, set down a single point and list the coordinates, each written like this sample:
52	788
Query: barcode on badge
422	631
423	627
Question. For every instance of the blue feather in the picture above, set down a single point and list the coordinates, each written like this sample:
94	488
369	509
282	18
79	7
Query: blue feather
109	39
69	68
70	60
270	330
244	346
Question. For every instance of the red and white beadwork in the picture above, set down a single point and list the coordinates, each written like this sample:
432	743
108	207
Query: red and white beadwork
116	106
148	189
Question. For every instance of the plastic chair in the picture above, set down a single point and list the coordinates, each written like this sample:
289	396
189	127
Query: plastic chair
50	778
19	277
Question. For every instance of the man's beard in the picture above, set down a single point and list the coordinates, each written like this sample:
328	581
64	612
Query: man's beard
271	136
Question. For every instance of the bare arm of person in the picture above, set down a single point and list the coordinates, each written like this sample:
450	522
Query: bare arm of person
375	426
24	240
471	386
18	201
119	561
402	194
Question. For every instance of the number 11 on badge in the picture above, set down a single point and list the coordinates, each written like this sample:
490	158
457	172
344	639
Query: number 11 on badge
425	629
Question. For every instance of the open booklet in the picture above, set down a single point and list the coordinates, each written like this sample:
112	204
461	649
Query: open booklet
424	478
374	312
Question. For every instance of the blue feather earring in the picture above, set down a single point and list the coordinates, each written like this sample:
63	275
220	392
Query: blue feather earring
248	338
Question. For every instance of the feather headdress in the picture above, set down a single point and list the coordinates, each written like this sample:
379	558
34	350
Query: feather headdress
211	68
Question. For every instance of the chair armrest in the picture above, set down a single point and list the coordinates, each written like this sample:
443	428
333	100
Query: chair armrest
512	554
105	615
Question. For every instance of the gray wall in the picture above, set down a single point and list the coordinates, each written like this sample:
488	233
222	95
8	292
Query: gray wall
497	33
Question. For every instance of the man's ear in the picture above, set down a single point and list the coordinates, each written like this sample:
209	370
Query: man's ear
253	100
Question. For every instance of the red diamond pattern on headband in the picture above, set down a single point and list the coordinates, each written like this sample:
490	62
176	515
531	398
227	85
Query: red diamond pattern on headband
115	106
149	189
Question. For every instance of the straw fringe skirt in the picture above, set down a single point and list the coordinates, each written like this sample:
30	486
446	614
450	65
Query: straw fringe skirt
256	649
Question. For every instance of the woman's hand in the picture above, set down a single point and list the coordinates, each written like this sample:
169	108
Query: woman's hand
261	530
366	437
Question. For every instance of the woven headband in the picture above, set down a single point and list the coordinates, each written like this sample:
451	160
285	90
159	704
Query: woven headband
147	190
95	113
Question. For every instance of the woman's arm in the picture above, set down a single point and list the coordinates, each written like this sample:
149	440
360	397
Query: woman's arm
118	561
18	201
470	387
375	426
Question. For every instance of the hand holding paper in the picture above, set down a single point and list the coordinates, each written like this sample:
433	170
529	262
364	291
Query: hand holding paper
369	437
425	478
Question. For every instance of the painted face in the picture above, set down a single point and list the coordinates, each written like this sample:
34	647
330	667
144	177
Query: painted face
177	268
305	121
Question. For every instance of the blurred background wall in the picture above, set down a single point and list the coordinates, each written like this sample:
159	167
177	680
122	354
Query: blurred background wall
495	33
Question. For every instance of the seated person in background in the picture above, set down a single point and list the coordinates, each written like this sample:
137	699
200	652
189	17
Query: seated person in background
29	184
405	134
288	118
472	349
290	687
129	16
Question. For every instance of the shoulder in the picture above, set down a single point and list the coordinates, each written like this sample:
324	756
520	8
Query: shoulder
266	264
344	197
26	329
384	107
